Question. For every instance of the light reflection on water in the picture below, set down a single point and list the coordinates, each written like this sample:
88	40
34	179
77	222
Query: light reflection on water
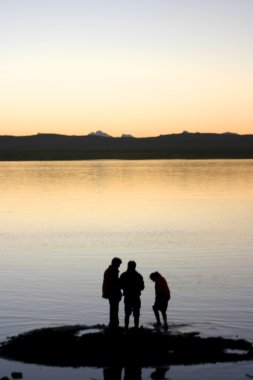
238	371
62	222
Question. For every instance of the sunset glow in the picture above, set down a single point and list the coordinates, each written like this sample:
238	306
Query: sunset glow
139	67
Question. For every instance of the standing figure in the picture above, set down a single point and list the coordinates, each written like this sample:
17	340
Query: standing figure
162	297
111	290
132	284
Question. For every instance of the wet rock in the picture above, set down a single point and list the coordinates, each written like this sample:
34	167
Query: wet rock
68	346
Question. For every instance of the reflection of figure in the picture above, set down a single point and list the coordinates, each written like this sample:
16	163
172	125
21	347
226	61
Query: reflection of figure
111	290
132	284
159	373
132	373
113	373
162	296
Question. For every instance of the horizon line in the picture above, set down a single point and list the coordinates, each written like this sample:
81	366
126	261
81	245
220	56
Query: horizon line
125	135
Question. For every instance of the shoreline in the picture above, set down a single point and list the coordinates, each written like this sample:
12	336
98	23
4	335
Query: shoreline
125	158
173	146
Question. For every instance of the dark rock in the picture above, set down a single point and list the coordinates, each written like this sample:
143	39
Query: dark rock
98	346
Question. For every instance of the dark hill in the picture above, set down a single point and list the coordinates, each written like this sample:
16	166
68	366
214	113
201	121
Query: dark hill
185	145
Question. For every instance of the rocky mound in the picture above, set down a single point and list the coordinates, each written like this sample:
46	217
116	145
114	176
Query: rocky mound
97	346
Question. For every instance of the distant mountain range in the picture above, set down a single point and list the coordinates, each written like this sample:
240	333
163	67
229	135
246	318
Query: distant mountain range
104	134
99	145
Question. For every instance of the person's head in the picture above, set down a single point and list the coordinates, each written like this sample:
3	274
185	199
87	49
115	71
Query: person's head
116	262
154	276
131	265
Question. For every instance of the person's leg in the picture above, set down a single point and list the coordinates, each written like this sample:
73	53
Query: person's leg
136	312
136	321
114	312
164	305
165	319
128	310
156	312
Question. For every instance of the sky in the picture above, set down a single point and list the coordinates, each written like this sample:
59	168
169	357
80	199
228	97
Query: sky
140	67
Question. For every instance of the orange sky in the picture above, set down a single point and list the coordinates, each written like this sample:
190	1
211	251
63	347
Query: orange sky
142	68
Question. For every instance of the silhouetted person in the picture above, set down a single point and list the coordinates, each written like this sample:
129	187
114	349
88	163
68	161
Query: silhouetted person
132	284
162	297
111	290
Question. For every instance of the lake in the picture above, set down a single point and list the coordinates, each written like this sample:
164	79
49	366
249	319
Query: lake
62	222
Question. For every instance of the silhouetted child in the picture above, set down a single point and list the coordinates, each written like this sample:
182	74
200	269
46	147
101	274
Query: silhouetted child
162	297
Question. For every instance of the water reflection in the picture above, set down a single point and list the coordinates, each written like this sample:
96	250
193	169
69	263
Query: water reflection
160	373
112	373
60	223
121	195
133	373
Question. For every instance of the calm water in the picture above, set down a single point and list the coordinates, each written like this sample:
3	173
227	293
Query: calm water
62	222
